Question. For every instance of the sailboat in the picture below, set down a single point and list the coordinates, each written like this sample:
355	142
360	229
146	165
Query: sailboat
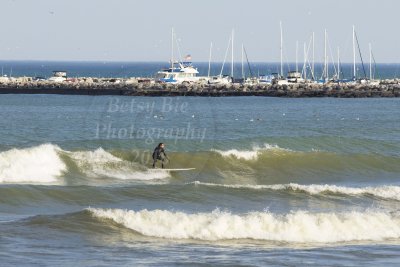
224	79
325	72
372	69
295	76
364	79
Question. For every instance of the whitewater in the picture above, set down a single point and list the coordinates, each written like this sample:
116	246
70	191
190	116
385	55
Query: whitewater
298	226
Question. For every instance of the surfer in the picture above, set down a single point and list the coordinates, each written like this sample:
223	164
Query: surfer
159	154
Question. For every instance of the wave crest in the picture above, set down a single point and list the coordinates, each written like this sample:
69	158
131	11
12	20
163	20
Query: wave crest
384	192
249	154
40	164
49	164
100	163
298	226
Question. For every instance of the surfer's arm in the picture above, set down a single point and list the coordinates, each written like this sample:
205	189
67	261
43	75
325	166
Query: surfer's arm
165	154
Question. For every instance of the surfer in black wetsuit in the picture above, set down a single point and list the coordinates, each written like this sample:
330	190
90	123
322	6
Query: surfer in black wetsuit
159	154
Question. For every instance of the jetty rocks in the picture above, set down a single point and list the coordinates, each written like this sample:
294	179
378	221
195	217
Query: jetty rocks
148	87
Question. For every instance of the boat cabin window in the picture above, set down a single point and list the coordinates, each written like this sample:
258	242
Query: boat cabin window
160	75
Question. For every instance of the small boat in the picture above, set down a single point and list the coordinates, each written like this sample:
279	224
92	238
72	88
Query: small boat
294	77
220	79
265	79
59	76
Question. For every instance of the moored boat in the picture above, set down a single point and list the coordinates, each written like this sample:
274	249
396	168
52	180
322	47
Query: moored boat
179	72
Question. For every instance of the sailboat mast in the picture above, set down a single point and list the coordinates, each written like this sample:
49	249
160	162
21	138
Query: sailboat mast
354	54
209	60
305	62
297	52
242	61
226	55
172	49
281	48
325	59
313	54
338	63
233	35
370	62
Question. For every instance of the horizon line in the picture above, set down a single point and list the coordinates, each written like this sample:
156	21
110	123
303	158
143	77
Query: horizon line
168	62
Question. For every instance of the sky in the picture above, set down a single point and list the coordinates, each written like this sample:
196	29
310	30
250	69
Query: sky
133	30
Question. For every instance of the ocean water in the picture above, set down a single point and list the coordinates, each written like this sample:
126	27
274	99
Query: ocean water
149	69
278	182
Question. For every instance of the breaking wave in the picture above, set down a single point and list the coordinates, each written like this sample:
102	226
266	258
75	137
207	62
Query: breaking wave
300	226
250	154
49	164
100	163
40	164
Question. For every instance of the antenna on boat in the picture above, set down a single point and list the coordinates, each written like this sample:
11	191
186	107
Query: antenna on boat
209	60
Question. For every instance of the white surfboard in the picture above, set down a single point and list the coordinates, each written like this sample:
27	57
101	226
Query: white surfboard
173	170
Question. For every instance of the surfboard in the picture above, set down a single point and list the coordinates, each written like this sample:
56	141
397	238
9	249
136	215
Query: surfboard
173	170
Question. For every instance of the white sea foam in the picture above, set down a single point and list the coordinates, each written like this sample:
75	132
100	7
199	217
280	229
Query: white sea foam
40	164
44	164
100	163
249	154
298	226
385	192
